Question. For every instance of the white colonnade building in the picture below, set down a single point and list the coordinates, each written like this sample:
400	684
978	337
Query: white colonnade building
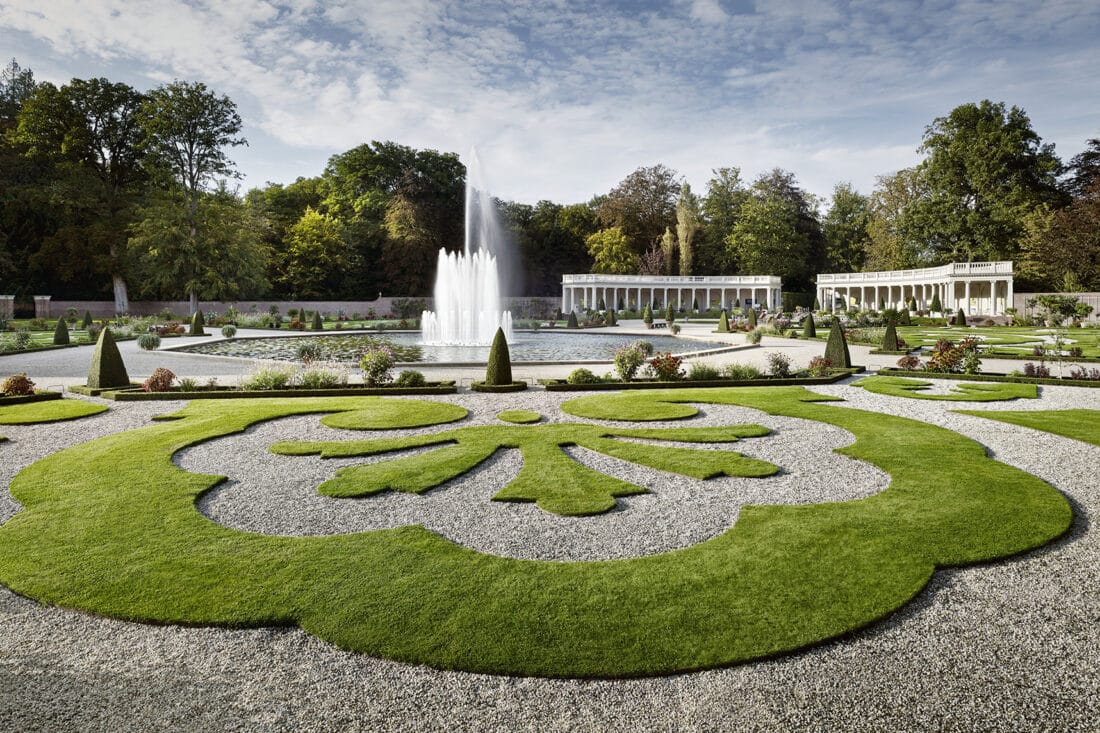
632	291
978	288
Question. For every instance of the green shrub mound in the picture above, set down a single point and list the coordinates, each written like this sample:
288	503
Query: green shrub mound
498	371
572	322
782	578
724	322
318	324
107	369
61	333
836	348
197	324
809	328
582	376
890	338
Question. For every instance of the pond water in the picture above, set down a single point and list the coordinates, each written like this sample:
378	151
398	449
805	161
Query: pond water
527	347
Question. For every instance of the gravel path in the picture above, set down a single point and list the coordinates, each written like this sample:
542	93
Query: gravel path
1008	646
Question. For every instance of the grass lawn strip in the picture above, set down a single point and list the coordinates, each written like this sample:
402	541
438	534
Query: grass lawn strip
52	411
519	417
1083	425
110	526
549	476
965	392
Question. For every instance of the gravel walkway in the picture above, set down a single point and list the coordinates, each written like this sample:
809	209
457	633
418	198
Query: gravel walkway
1009	646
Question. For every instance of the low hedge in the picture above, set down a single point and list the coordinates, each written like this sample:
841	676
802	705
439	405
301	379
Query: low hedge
136	394
560	385
498	388
988	377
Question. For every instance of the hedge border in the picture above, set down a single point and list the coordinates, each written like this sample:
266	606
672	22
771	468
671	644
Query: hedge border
25	398
498	388
230	393
989	377
560	385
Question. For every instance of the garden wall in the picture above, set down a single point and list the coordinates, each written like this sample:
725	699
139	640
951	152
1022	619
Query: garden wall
1019	302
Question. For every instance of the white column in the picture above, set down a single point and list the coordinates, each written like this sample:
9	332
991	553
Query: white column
966	308
1010	301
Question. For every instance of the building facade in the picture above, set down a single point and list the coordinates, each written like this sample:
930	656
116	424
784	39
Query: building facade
633	291
978	288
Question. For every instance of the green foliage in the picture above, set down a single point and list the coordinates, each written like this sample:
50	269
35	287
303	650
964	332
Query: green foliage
316	255
17	385
809	328
61	333
836	349
670	314
499	369
229	331
87	320
960	318
700	372
148	341
965	392
890	338
198	324
741	372
935	305
322	376
688	222
611	252
309	351
582	376
1083	425
377	362
754	336
410	378
752	317
647	314
268	377
107	369
641	206
779	365
724	322
318	324
628	359
572	322
904	318
845	229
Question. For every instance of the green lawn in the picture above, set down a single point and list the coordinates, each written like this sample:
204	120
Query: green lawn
110	526
1083	425
51	411
966	392
1008	340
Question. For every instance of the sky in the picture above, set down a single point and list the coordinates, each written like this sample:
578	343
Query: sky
563	99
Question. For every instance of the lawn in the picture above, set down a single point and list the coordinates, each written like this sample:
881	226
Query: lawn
110	526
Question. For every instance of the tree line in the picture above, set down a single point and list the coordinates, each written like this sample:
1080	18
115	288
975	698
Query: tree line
110	191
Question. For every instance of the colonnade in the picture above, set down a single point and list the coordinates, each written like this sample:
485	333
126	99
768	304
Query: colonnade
659	291
977	288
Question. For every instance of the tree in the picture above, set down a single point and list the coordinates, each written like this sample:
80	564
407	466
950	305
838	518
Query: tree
726	194
845	230
1064	242
315	256
88	130
652	262
612	252
892	242
668	250
642	206
186	130
985	171
687	224
1084	170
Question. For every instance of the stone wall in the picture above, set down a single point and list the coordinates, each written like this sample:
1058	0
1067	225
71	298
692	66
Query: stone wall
1019	302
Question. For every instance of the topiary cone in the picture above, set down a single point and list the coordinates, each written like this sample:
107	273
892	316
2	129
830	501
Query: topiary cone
809	328
611	320
752	318
935	306
836	349
960	318
572	323
197	323
724	322
647	314
107	370
318	324
890	338
61	333
499	369
87	320
904	319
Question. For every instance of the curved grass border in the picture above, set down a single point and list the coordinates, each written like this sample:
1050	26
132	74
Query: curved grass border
110	526
30	413
1083	425
989	377
964	392
519	417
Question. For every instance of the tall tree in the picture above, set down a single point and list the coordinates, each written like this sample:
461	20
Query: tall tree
186	131
642	205
668	250
25	214
611	252
985	171
282	207
1062	246
687	225
726	193
766	240
88	130
314	257
845	229
1084	170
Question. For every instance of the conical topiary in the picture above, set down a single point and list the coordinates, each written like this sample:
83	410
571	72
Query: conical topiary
903	318
318	324
499	369
572	320
724	322
817	304
87	320
960	318
611	319
809	328
61	333
836	349
670	314
107	370
197	323
752	318
647	314
936	307
890	338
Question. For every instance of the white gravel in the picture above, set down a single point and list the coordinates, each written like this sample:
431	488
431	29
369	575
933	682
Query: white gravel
1009	646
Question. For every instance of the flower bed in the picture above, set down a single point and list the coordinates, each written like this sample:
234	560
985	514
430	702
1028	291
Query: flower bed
136	394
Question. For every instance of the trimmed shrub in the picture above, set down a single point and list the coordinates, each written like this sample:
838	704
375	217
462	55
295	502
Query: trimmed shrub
148	342
582	376
229	331
159	381
836	349
935	306
890	338
87	320
410	378
107	369
960	318
904	319
377	362
572	323
61	333
611	319
809	328
724	322
670	314
318	324
703	373
647	315
752	318
17	385
499	369
197	323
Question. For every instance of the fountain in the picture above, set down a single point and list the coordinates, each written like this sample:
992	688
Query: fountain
467	303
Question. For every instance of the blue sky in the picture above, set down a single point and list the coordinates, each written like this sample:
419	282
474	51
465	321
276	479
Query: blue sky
563	99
